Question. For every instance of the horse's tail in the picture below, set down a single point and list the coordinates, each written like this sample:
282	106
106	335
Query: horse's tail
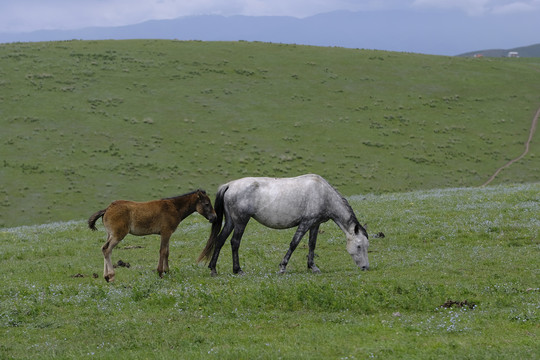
92	220
216	225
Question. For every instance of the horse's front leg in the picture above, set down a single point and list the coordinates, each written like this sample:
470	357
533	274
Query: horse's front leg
312	243
302	229
163	264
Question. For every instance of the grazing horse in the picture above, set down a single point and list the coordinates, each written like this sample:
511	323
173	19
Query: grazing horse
304	201
161	217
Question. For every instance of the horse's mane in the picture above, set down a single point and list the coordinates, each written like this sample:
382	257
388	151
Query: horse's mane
352	219
186	194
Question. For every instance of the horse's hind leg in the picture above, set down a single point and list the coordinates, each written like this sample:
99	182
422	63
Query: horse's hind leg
235	245
312	243
108	269
220	241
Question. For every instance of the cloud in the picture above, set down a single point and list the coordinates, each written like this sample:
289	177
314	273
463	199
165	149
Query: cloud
516	7
470	7
480	7
27	15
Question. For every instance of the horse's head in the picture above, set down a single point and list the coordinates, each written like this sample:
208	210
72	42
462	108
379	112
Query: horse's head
357	246
204	206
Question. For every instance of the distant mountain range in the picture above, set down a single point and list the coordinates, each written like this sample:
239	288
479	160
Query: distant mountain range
438	33
524	51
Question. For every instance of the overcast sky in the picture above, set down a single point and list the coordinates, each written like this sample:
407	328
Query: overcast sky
30	15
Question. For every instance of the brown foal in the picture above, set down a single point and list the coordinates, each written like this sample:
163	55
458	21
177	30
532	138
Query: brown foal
161	217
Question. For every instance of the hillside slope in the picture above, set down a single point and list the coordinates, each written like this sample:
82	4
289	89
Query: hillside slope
85	123
523	51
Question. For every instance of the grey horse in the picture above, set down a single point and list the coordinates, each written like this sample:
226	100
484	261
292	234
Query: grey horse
280	203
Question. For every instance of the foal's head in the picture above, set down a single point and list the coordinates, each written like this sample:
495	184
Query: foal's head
204	206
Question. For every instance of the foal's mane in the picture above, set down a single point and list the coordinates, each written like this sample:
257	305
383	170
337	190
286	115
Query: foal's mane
186	194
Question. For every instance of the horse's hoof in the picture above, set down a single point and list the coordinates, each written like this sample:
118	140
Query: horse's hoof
213	273
240	272
282	271
315	270
109	278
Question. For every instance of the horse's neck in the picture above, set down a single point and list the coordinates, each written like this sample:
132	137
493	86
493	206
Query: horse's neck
185	205
341	214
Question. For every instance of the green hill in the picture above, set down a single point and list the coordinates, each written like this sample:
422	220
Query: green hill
88	122
523	51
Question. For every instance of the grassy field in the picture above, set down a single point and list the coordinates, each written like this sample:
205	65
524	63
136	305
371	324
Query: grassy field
87	122
455	277
407	138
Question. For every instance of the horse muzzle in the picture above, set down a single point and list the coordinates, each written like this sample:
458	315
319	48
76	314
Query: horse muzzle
362	263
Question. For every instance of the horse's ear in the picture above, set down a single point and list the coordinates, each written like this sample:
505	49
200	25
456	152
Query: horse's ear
359	229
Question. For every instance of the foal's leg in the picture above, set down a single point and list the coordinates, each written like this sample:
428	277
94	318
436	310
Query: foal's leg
302	229
107	248
220	241
163	264
312	243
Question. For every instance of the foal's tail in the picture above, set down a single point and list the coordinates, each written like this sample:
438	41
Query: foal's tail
92	220
216	225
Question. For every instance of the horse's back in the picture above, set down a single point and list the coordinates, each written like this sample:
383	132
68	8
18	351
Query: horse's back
278	186
138	218
277	202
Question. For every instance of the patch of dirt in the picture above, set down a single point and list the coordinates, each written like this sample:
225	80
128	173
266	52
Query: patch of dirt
120	263
460	304
132	247
79	275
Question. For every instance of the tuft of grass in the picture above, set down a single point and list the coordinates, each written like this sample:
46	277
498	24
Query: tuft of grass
456	275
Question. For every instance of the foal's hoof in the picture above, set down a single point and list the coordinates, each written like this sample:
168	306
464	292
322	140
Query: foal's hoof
240	273
109	278
213	273
315	269
282	271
